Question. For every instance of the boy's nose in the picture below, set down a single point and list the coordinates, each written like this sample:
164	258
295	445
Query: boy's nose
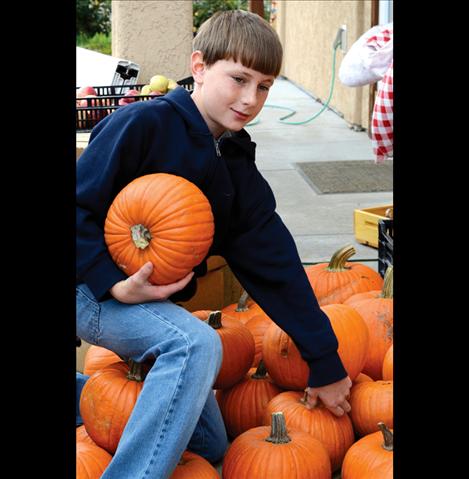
249	96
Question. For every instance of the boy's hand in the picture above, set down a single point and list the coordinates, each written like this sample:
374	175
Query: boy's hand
137	288
334	396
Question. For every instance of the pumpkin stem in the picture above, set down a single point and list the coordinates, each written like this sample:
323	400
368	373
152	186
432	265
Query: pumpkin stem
339	258
136	371
242	303
214	319
278	430
388	437
303	400
388	284
141	236
261	371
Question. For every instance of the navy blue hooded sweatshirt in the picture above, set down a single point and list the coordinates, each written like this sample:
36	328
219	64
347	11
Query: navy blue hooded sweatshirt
169	135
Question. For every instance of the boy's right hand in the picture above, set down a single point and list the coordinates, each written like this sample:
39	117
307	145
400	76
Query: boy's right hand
137	289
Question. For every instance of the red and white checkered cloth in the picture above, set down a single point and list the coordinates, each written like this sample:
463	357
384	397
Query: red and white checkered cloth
382	118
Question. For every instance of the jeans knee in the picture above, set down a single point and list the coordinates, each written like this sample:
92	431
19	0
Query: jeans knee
208	344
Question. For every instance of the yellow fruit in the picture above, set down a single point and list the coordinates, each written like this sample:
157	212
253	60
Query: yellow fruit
159	83
172	84
145	90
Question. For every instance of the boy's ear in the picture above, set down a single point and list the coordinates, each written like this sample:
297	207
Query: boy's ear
197	66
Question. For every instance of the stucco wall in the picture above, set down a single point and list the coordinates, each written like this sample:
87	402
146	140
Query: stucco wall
307	29
155	34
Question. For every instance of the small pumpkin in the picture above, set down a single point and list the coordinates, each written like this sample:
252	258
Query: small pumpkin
107	400
82	435
388	364
244	309
258	326
162	218
285	364
91	460
243	405
193	466
238	347
370	452
336	433
97	357
361	378
337	280
273	452
283	359
371	402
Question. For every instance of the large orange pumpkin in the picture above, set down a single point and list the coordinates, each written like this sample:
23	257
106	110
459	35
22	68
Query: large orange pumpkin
273	452
370	452
243	405
97	357
107	400
371	402
193	466
378	316
388	362
91	460
160	218
285	364
339	279
336	433
383	471
238	347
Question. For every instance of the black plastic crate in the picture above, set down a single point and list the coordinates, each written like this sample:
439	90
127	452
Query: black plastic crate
93	110
385	245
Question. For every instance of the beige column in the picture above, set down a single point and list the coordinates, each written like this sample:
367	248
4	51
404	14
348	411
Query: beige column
155	34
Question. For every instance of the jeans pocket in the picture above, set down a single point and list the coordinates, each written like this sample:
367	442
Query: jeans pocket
87	316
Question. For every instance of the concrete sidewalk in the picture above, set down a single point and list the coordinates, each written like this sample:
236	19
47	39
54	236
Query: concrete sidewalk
319	223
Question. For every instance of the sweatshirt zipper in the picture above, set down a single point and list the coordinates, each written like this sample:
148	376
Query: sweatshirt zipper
217	148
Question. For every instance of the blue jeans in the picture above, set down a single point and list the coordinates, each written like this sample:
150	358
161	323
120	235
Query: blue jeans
80	383
176	409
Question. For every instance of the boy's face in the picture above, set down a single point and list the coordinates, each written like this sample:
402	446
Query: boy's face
228	94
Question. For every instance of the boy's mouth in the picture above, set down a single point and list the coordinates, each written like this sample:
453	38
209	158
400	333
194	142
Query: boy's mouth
240	115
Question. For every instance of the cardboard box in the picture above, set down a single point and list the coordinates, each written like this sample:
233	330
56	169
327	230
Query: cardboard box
365	223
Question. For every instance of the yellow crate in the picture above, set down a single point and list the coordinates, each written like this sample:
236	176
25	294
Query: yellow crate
365	223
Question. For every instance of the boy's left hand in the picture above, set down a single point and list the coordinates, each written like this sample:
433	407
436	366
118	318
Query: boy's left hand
334	396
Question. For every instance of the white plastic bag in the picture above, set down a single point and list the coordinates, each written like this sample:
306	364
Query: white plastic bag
368	58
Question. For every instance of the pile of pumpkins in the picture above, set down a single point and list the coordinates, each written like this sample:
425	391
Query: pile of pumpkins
260	389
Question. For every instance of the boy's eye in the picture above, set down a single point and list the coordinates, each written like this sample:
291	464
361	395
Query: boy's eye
238	79
263	88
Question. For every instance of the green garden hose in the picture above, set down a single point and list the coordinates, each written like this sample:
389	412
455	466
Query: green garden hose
292	112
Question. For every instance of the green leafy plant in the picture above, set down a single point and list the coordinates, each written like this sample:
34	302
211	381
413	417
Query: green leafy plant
99	42
93	16
204	9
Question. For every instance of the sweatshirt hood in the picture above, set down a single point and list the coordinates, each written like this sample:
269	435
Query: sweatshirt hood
180	99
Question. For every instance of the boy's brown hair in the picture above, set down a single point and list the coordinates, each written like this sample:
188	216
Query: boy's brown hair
240	36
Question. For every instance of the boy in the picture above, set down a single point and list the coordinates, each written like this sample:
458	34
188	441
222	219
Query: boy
236	58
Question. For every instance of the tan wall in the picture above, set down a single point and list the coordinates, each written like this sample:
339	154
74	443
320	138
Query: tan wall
307	29
155	34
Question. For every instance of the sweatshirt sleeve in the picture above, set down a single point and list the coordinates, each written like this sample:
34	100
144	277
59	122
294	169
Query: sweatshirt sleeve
263	256
107	164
